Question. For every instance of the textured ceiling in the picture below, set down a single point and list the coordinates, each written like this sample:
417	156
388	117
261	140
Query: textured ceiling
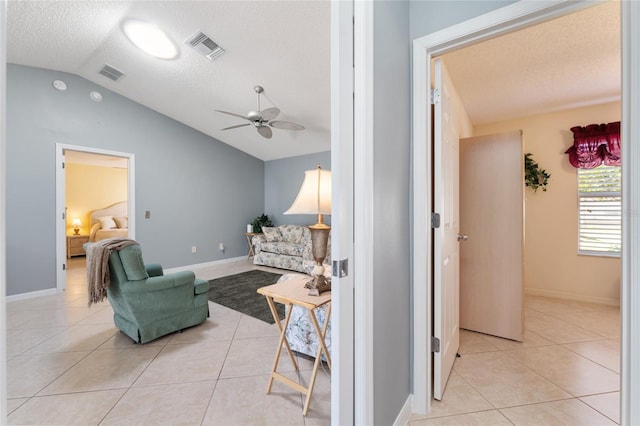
281	45
284	46
568	62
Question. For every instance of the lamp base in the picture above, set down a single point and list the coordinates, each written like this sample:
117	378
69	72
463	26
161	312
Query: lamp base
76	231
318	285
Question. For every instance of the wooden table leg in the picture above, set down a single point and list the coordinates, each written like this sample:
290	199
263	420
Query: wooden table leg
250	252
322	347
282	341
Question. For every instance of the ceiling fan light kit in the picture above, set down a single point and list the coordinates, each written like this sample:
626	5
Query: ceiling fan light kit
263	120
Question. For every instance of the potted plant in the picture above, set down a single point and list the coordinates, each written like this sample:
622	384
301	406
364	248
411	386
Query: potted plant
534	176
260	221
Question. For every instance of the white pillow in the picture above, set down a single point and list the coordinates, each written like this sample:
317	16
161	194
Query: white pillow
107	222
121	222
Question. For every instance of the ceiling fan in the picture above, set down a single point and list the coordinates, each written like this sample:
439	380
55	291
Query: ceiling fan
263	120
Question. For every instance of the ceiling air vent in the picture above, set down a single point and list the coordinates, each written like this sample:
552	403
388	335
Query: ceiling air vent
205	46
111	72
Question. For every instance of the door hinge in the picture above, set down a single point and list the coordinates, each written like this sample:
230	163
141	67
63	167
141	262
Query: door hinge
64	266
64	216
435	220
340	268
63	164
435	96
435	344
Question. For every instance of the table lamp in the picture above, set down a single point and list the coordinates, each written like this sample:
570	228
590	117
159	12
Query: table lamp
76	226
314	197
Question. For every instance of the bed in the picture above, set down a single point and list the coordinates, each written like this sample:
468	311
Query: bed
109	222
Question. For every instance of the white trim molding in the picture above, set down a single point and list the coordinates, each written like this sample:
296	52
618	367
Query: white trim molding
342	240
32	294
61	230
405	413
197	266
363	211
630	292
3	214
501	21
571	296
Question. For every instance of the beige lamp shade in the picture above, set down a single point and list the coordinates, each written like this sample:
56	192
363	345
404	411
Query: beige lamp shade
76	223
314	196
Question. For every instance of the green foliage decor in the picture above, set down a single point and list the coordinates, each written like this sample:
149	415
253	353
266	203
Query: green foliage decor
260	221
534	176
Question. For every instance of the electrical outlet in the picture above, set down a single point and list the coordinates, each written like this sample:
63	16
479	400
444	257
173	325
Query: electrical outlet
147	214
221	246
194	249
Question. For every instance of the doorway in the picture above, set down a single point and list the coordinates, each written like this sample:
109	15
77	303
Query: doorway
88	179
512	17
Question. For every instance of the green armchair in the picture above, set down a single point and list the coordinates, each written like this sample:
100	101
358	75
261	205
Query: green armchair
148	304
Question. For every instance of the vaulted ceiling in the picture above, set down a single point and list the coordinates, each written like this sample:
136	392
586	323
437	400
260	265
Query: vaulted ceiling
284	46
280	45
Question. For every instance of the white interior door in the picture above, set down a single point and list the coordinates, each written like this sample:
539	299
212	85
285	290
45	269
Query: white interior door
492	216
445	239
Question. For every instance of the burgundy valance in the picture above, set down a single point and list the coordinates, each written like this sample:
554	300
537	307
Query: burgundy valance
594	145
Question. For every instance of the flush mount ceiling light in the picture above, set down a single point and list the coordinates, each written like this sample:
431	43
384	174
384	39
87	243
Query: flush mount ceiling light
150	39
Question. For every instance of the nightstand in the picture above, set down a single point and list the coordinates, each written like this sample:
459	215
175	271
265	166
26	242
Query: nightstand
74	245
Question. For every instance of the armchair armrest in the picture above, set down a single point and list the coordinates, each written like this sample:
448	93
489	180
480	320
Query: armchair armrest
154	269
158	283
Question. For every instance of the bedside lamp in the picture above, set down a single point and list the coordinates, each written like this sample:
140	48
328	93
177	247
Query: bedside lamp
76	226
314	197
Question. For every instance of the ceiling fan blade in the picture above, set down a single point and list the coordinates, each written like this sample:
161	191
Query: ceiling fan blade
286	125
233	114
269	113
265	132
236	126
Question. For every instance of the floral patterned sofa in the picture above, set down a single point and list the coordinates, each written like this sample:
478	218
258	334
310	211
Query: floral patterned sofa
300	332
286	247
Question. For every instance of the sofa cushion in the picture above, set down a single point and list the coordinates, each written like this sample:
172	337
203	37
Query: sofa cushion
131	258
292	233
290	249
271	234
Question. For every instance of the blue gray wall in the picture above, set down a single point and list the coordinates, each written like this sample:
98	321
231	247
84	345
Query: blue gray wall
430	16
282	180
391	210
396	24
200	191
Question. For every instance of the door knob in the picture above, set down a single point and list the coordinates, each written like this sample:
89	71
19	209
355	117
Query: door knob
462	237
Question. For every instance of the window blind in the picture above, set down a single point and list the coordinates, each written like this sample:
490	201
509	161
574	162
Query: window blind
600	210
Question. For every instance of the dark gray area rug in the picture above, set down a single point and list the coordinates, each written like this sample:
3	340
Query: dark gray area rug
239	292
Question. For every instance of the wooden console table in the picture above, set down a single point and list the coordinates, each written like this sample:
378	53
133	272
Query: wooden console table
292	292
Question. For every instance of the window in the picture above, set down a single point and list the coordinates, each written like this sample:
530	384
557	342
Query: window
599	210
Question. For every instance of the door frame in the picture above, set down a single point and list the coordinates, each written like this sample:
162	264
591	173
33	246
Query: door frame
61	228
3	212
501	21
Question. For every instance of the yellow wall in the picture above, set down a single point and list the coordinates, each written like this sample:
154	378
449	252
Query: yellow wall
92	187
552	265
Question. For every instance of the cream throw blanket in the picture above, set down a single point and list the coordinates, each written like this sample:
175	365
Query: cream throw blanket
98	266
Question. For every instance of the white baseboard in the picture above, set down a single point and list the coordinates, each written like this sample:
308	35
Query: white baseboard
204	265
403	416
32	294
571	296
